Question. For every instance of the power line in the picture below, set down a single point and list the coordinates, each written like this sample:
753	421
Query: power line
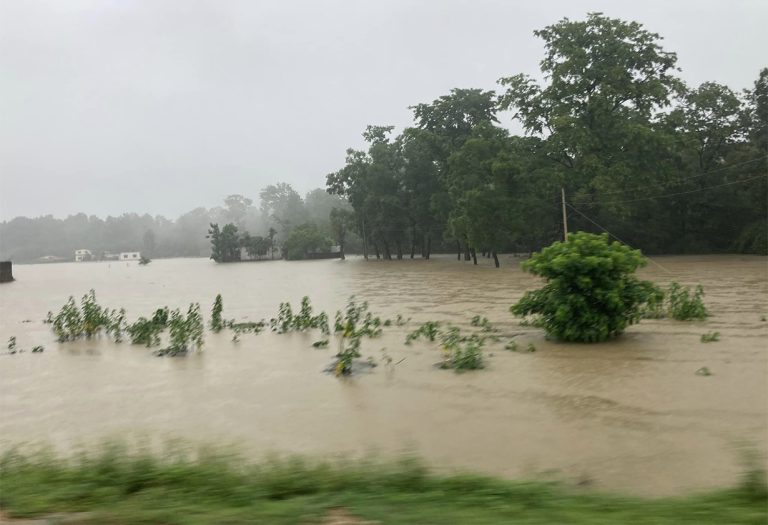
585	203
612	235
680	180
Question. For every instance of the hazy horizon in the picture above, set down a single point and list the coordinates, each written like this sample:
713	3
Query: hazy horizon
160	108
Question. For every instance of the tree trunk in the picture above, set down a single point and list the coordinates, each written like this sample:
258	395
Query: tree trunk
474	256
399	247
467	255
458	249
429	244
376	250
387	253
413	246
495	259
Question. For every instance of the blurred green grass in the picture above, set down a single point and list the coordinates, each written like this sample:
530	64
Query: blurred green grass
116	484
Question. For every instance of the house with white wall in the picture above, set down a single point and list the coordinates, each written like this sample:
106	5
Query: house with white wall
83	255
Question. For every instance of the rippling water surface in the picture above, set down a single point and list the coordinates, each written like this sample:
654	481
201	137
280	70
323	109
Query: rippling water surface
628	415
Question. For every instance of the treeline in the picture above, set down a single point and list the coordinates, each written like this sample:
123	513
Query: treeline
280	210
666	167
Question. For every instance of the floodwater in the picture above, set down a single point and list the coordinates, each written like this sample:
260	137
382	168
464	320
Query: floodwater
630	415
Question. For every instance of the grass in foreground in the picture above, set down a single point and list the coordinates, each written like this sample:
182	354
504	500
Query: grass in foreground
117	486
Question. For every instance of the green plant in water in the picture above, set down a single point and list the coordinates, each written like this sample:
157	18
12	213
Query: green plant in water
12	344
248	327
282	323
88	320
703	371
351	325
461	352
216	322
287	321
363	322
428	330
147	331
38	349
186	332
591	293
710	337
685	305
511	346
482	322
677	302
323	343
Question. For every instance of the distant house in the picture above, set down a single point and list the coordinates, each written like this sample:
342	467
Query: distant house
83	255
108	256
130	256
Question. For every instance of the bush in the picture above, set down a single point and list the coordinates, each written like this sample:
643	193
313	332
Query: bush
685	305
591	294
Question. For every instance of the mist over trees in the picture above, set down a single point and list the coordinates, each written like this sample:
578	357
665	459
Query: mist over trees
667	167
277	212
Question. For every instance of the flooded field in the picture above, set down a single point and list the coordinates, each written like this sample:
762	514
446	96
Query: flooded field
629	415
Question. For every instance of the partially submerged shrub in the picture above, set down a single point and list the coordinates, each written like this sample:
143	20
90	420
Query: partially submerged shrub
685	305
677	302
351	325
90	319
590	294
710	337
428	330
287	321
482	322
147	331
216	321
362	321
186	332
461	352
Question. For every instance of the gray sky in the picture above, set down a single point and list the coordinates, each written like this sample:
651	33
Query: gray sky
161	106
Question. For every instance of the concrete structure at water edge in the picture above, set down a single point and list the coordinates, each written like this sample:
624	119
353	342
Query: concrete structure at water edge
6	271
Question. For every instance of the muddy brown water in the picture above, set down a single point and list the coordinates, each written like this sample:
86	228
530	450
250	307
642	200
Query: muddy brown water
630	415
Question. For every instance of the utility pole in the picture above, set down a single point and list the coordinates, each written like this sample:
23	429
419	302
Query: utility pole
565	216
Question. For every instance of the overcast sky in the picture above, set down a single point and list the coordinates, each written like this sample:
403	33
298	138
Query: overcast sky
160	106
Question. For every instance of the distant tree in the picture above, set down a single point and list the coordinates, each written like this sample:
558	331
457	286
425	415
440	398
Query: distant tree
255	246
304	239
341	220
225	244
271	236
282	207
237	208
149	243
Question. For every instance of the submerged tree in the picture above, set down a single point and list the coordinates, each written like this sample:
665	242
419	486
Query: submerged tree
225	244
303	240
591	293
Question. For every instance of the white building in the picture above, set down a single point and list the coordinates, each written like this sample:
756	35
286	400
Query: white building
83	255
130	256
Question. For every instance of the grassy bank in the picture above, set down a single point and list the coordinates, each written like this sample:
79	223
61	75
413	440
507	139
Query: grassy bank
118	486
